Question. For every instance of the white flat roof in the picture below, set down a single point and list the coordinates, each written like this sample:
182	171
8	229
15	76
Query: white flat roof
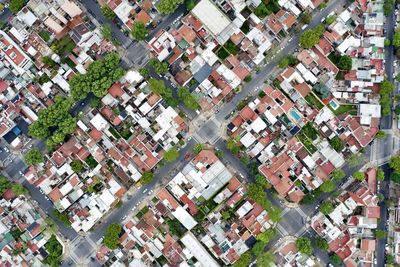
198	251
211	17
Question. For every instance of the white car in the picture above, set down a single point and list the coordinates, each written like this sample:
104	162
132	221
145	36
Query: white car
144	191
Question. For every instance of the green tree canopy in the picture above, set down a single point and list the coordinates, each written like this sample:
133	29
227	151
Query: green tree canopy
171	154
394	163
305	17
147	177
309	38
304	245
33	157
380	234
16	5
337	143
244	260
267	236
380	134
106	31
77	166
345	63
108	12
321	243
267	259
139	31
258	248
335	259
5	184
326	208
111	237
19	189
168	6
54	249
99	77
159	67
380	175
188	99
338	174
328	186
359	176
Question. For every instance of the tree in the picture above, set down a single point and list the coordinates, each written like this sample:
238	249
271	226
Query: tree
77	166
304	245
188	99
139	31
159	67
144	72
247	79
326	208
328	186
244	260
38	131
388	7
380	175
394	163
338	174
5	184
337	143
355	159
50	62
95	102
330	19
380	234
62	217
232	145
309	38
19	189
54	250
321	243
359	176
387	42
33	157
262	11
198	148
168	6
322	90
395	177
189	4
108	12
147	177
111	237
335	259
1	7
99	77
305	17
345	63
380	135
267	236
106	31
258	248
260	179
171	154
16	5
266	260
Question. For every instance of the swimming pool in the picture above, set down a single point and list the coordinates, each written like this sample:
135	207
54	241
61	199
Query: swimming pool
295	115
333	104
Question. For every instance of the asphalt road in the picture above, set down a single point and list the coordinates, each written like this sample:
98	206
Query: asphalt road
259	78
5	15
386	121
382	225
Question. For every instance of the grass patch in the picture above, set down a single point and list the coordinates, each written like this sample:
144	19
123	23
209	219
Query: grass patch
231	47
307	143
245	27
114	133
313	100
45	35
142	212
342	109
69	62
91	162
222	53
